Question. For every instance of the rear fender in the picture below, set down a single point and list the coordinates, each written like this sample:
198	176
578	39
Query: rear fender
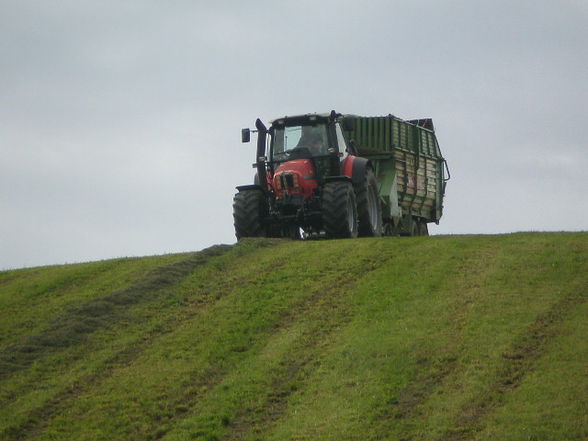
355	167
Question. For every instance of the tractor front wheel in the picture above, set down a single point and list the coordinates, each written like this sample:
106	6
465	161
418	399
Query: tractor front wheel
339	210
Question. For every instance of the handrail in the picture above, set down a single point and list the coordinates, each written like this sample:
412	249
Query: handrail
448	173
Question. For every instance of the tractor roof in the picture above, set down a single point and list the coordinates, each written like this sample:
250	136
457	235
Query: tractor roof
300	118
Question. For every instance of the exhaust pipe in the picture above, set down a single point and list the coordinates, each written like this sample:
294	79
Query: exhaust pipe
261	170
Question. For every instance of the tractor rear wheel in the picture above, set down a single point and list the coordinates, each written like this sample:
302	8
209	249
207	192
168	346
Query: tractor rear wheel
369	209
339	210
249	209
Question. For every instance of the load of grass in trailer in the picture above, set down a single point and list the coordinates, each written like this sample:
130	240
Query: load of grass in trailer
439	338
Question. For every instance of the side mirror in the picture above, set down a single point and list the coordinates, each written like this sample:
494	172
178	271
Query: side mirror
245	135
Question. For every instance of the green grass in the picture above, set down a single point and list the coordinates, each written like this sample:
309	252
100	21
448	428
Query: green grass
440	338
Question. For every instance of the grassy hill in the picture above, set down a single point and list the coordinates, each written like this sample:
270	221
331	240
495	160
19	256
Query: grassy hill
440	338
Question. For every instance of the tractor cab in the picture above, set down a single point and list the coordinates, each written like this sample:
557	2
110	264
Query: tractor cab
308	136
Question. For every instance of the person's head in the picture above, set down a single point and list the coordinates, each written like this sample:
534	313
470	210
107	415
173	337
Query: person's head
316	144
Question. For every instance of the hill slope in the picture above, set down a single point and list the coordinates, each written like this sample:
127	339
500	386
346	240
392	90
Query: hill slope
440	338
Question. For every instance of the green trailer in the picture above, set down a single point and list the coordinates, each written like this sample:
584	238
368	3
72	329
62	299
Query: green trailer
410	170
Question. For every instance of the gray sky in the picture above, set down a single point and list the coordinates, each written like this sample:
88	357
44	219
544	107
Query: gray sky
120	120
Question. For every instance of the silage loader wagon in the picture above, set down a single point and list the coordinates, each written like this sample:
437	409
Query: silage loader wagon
410	170
338	176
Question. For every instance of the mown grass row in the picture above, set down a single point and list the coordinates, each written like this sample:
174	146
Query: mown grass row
459	338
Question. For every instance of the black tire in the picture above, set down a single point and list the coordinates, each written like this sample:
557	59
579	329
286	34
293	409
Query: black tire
423	229
339	210
249	209
369	209
414	228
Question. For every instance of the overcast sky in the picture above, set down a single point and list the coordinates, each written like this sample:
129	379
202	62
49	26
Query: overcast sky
120	120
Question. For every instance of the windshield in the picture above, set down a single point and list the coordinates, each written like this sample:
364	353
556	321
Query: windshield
306	140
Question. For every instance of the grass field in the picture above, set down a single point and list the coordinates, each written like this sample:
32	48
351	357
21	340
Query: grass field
439	338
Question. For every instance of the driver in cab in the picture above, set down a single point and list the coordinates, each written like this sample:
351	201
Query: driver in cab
317	146
314	143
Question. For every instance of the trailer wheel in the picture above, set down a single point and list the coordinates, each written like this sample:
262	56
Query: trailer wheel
339	210
249	209
423	229
414	228
369	209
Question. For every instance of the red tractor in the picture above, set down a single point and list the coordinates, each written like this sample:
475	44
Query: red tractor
309	181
